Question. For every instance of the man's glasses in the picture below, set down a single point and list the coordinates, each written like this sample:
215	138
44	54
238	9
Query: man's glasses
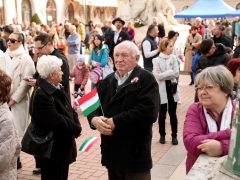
39	48
12	40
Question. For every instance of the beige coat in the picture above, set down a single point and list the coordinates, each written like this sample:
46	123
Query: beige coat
22	66
192	42
9	144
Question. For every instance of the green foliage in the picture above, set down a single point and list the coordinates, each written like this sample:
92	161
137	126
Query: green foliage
35	18
138	23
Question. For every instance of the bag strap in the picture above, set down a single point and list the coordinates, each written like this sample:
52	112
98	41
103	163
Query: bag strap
32	100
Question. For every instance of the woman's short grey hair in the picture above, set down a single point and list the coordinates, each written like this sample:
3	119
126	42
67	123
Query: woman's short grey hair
130	45
48	64
218	75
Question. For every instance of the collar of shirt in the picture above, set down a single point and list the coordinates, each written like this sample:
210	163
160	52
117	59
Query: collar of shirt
123	79
57	86
116	35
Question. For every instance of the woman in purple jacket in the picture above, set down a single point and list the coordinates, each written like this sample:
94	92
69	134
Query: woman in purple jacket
208	122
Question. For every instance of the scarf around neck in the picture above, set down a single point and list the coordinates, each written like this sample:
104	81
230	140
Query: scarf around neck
225	121
19	51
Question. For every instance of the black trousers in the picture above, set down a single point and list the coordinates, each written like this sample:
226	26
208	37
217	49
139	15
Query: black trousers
51	170
123	175
171	107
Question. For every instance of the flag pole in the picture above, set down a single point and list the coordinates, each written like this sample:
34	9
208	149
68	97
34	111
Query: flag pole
101	108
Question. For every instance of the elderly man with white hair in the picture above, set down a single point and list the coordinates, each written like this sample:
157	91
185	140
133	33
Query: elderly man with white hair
73	43
130	102
51	110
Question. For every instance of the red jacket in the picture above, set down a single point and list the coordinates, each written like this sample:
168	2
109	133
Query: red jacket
79	77
196	130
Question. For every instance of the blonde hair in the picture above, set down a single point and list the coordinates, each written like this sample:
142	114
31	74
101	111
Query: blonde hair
130	25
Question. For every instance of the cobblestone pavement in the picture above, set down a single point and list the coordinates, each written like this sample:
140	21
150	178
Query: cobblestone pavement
88	166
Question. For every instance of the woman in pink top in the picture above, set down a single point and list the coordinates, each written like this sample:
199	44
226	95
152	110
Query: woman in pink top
131	30
207	125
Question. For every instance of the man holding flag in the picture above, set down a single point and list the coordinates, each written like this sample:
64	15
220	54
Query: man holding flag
129	103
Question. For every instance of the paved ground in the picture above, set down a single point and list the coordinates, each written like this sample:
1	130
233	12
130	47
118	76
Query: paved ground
168	160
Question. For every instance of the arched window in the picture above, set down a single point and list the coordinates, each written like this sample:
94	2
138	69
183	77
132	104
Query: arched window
70	13
26	10
238	6
2	12
51	12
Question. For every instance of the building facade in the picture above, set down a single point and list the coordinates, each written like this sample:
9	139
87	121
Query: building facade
59	10
54	10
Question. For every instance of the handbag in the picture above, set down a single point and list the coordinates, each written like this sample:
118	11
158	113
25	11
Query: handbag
39	144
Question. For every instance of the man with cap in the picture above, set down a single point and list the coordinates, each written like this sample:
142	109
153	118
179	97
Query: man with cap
117	36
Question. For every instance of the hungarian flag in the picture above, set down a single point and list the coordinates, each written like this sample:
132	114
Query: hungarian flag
88	143
89	102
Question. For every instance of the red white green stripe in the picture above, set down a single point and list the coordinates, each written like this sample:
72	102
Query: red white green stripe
89	102
88	143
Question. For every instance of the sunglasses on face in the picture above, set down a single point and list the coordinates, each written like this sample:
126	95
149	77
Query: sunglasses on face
12	40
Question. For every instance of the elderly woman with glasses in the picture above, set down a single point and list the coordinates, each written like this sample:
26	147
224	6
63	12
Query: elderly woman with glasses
18	65
208	122
51	110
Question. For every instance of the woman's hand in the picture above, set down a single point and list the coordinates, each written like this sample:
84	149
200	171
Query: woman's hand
11	103
211	147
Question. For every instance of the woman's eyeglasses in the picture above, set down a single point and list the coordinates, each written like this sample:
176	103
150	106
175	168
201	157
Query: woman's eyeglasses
207	88
12	40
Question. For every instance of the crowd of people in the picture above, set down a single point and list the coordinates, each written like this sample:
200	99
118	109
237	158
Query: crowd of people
38	63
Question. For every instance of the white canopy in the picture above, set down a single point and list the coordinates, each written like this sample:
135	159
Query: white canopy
102	3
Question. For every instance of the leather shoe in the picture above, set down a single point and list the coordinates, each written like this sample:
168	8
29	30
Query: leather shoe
174	141
162	140
19	164
37	171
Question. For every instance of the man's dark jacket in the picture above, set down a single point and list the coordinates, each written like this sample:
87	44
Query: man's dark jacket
123	35
50	109
3	44
65	70
134	108
236	53
147	62
225	40
219	57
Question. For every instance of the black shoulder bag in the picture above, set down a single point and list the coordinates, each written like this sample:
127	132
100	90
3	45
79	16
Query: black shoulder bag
36	142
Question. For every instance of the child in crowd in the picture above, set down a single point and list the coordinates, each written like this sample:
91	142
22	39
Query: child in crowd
80	73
